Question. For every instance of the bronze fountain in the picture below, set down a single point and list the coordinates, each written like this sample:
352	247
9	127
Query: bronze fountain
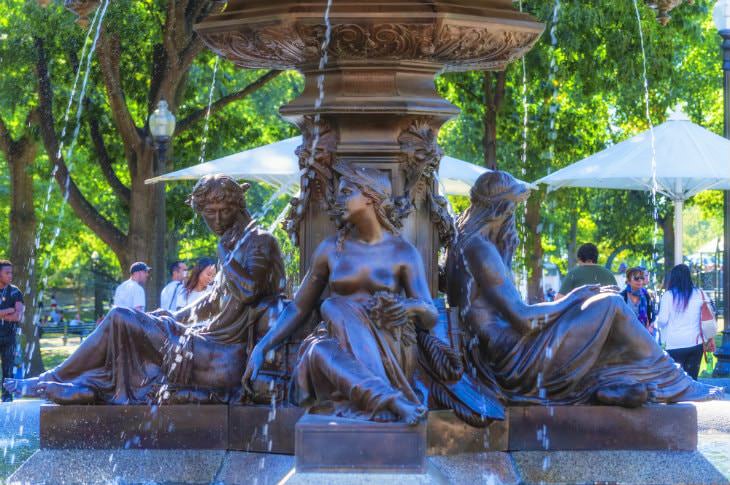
364	337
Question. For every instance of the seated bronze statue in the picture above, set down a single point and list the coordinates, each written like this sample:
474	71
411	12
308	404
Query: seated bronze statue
359	362
197	354
586	348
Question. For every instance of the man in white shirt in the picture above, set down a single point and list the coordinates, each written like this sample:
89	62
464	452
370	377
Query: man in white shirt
171	291
130	294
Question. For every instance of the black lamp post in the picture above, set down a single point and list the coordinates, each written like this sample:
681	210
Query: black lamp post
162	127
721	16
98	308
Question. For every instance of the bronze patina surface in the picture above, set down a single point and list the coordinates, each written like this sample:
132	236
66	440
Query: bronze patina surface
360	360
331	444
262	429
134	427
570	428
586	348
380	108
198	354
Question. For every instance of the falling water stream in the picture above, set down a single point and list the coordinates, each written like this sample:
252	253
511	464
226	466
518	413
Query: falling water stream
95	26
647	106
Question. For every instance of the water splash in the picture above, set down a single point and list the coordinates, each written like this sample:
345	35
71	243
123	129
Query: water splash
320	83
647	109
95	26
201	159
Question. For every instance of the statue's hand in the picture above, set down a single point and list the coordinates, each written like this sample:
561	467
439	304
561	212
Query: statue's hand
584	292
160	312
255	362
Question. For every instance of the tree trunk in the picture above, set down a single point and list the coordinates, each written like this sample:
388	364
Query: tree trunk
573	238
145	239
533	225
22	247
493	86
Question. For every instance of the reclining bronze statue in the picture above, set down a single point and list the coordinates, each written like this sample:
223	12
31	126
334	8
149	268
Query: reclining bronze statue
196	355
586	348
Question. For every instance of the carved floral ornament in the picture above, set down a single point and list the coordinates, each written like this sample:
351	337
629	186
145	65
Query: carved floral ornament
317	181
288	46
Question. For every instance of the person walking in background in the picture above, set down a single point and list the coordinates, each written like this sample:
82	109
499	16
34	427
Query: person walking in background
638	298
198	283
130	294
588	272
171	291
11	312
679	320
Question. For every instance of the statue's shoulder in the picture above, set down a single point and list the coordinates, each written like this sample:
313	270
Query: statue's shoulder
479	247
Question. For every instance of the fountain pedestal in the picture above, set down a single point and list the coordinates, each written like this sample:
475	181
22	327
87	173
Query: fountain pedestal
332	444
377	106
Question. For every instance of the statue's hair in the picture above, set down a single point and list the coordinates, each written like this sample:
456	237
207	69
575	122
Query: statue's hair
376	186
495	195
218	188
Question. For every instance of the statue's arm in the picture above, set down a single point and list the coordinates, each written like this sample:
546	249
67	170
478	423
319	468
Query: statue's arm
304	302
246	274
497	288
419	304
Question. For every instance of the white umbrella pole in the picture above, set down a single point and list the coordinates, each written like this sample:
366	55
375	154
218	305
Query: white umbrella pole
678	230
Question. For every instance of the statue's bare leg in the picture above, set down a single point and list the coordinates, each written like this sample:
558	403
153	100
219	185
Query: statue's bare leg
22	387
65	393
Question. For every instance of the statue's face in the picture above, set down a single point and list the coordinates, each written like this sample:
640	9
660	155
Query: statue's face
351	201
219	216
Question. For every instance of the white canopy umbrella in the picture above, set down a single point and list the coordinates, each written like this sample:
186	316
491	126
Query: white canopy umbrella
688	160
276	164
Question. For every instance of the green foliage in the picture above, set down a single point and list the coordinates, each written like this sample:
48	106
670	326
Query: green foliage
600	101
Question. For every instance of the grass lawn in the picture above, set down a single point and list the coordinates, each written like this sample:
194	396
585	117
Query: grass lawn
53	350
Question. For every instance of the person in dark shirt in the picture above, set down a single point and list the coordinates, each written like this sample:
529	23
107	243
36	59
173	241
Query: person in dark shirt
11	312
587	272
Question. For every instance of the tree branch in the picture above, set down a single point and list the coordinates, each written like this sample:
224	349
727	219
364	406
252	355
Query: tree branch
105	163
196	116
108	55
88	214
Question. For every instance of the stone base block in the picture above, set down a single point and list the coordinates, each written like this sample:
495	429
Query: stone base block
448	435
556	428
149	427
261	429
329	444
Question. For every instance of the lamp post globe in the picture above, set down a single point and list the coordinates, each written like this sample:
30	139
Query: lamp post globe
721	17
162	123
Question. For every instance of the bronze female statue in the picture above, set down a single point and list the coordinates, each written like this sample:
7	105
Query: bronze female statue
134	357
359	361
587	347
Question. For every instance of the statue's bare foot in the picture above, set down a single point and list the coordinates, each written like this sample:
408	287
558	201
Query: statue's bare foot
384	416
66	393
626	395
408	412
22	387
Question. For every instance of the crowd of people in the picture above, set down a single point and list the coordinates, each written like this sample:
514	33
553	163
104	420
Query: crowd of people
184	288
675	320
